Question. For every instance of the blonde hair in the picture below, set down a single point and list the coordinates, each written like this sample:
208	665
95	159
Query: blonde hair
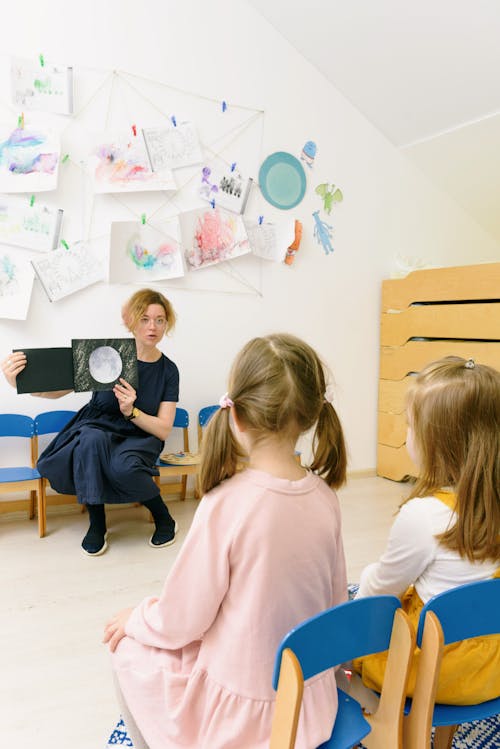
277	385
134	308
454	411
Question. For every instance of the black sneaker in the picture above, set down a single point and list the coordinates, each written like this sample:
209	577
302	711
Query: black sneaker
164	536
94	542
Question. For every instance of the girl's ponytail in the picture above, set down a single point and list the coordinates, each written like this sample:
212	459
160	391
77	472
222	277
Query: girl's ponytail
329	450
220	451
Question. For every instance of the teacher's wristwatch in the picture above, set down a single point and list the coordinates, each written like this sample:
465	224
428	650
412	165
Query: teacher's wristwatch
135	413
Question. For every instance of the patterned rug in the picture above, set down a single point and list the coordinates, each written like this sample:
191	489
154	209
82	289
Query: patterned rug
482	734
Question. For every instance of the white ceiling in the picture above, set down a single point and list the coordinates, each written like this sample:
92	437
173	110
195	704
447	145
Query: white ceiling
426	74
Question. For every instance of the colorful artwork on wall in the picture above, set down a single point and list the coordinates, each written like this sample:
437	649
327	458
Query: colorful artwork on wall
120	164
140	253
29	223
224	185
330	194
323	233
46	87
64	271
212	236
282	180
29	157
16	285
172	147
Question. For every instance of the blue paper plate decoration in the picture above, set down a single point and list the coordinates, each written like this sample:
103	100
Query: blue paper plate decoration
282	180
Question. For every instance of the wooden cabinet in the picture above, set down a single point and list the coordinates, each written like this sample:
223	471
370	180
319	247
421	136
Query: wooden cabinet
425	316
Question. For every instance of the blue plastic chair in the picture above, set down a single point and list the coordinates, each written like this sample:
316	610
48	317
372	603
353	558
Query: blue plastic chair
166	469
350	630
49	422
20	478
470	610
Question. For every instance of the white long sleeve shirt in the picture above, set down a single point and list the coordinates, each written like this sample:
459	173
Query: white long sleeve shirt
414	556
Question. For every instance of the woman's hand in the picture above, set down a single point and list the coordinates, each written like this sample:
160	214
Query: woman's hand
125	395
12	365
114	631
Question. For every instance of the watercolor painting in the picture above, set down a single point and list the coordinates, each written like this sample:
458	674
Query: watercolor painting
98	363
212	236
64	271
29	158
270	240
46	87
16	285
120	164
172	147
223	185
27	223
140	253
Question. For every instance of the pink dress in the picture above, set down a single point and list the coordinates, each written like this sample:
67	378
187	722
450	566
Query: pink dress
262	555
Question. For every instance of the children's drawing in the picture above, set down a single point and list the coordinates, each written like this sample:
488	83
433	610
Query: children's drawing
29	159
44	87
212	236
34	226
172	147
120	164
64	271
270	240
309	153
294	247
323	233
330	194
141	253
16	285
225	185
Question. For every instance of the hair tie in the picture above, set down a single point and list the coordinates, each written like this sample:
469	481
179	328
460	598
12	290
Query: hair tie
328	396
225	401
470	364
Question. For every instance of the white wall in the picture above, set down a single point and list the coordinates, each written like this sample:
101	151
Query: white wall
223	49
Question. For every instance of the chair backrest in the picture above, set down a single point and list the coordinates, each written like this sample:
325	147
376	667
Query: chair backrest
349	630
181	419
469	610
16	425
204	416
52	421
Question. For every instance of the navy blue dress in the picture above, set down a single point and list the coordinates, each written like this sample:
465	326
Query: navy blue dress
99	455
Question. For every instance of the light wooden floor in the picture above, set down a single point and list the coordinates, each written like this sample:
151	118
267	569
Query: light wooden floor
56	690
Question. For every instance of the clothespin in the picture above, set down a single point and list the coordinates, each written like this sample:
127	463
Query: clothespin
174	121
212	202
32	200
224	106
65	244
261	219
143	218
42	61
134	130
65	158
233	166
20	121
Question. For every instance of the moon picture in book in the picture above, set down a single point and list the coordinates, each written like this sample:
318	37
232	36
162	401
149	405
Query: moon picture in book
212	236
140	253
98	364
44	87
29	157
120	164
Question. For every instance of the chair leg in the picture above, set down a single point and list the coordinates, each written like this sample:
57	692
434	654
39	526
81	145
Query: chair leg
443	737
184	487
42	508
31	513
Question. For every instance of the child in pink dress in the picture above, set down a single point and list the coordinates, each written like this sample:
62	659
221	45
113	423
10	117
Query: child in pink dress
264	552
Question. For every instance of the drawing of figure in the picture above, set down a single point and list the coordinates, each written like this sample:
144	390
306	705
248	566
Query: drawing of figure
323	233
309	153
207	186
330	194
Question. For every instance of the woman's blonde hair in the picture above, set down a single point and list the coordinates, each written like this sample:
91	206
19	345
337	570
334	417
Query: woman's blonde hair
277	385
454	411
135	307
